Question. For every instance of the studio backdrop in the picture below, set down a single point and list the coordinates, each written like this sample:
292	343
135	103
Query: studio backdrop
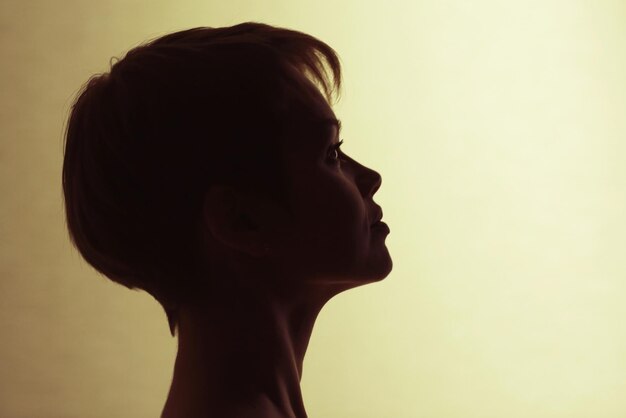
499	129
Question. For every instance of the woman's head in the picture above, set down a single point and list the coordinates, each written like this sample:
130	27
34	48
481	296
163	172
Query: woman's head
321	234
181	123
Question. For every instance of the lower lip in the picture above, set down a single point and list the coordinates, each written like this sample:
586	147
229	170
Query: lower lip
381	225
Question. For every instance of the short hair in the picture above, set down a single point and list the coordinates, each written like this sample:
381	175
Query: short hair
144	141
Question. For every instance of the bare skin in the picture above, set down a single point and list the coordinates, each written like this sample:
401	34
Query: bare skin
252	357
242	343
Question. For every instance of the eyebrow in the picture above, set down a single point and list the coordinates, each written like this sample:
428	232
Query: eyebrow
333	122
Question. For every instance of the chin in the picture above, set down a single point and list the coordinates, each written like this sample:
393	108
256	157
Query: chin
379	267
372	276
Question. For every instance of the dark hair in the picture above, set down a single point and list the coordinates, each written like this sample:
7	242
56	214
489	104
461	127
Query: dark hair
175	115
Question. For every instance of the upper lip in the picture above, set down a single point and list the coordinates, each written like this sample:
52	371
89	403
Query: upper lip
378	215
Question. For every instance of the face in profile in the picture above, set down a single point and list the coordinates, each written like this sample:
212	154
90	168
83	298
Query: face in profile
330	238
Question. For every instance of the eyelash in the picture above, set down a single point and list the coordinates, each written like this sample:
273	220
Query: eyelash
336	148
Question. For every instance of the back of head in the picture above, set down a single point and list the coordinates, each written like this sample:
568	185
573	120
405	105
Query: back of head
145	140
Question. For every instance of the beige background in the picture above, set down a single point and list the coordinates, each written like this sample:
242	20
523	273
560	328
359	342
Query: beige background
499	129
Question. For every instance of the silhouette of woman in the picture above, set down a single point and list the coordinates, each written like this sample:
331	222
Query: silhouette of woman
205	169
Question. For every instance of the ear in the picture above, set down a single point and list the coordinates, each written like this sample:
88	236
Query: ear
231	219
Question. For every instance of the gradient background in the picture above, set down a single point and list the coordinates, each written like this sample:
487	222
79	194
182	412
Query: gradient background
499	130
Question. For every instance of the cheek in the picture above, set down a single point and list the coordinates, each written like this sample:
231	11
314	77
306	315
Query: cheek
344	225
331	213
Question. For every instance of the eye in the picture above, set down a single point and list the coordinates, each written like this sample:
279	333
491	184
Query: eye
335	149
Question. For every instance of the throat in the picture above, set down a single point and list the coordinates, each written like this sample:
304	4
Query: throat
227	361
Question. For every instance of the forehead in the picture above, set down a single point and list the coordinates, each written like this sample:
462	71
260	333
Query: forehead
310	121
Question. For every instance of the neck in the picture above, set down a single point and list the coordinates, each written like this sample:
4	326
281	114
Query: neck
244	347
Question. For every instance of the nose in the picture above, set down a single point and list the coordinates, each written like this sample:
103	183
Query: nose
368	180
375	182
